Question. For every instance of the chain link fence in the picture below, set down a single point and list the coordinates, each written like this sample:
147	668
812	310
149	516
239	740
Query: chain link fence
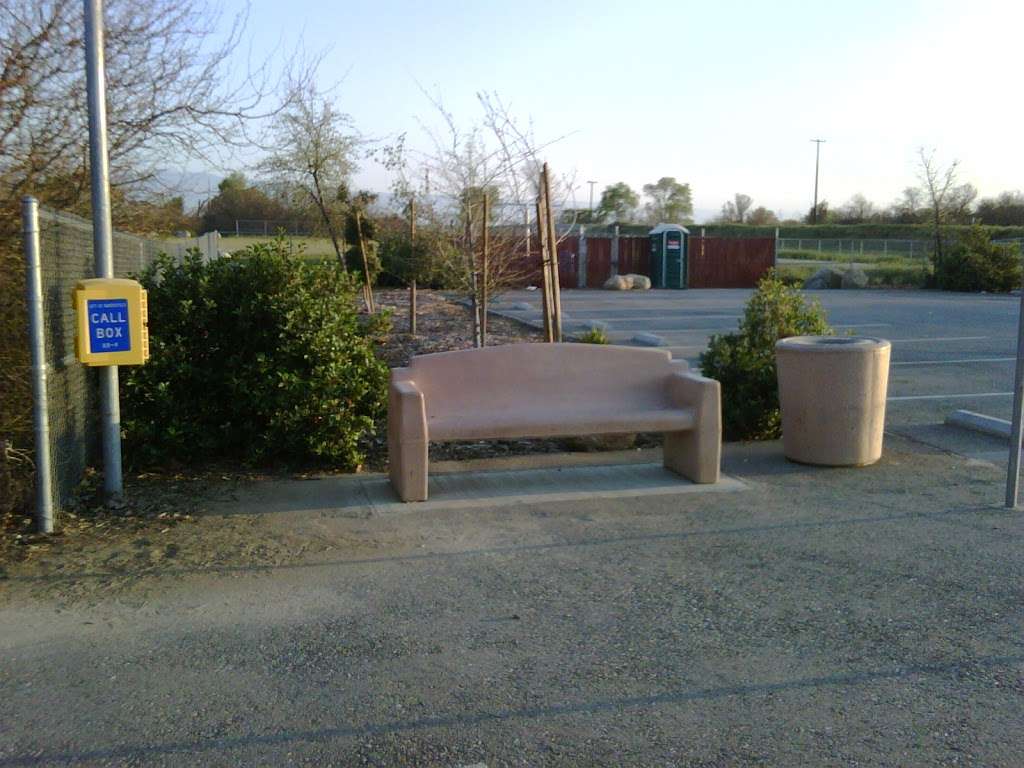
73	388
875	249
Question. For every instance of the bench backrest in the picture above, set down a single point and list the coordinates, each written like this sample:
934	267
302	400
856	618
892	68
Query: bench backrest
542	376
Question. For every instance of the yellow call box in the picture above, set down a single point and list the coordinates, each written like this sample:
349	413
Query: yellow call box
111	322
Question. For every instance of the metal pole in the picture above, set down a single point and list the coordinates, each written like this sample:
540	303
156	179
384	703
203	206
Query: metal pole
817	158
102	237
37	346
1016	427
591	183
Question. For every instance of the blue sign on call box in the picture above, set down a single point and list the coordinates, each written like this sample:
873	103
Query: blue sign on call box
108	325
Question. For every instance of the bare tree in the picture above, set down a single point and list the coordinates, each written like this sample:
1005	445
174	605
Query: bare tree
735	211
497	155
313	153
960	203
857	209
171	89
938	183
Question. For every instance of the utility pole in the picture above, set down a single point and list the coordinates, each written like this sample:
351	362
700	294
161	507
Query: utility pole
102	238
817	158
591	183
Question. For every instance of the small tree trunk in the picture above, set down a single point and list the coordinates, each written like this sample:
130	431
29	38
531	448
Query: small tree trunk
370	307
318	199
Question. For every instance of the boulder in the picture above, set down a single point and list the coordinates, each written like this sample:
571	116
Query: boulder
617	283
640	282
855	277
826	277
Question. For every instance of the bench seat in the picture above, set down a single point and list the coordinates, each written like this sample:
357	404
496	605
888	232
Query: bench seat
557	423
550	390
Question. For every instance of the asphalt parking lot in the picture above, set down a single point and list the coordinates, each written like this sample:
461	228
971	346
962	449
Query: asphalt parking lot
950	351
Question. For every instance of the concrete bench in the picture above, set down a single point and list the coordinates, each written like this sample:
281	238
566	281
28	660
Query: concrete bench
550	390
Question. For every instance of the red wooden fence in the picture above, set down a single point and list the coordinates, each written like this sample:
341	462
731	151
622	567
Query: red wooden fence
721	262
713	262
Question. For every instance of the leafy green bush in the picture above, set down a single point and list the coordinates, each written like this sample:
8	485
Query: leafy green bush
973	262
433	262
593	336
744	362
259	357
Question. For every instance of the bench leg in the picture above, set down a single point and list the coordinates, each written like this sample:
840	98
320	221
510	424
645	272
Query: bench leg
694	454
409	469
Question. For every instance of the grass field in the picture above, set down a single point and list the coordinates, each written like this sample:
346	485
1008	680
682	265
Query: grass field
313	247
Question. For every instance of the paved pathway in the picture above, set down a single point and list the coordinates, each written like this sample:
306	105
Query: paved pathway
949	350
821	617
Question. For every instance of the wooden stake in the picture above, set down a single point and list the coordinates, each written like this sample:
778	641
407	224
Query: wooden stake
412	255
471	265
368	289
556	291
483	281
545	272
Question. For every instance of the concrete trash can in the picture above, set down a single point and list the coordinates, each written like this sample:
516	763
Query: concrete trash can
832	393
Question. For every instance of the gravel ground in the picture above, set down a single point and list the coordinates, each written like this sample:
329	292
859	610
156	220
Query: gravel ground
824	617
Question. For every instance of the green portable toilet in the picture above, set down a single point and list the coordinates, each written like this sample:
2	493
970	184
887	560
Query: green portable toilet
668	255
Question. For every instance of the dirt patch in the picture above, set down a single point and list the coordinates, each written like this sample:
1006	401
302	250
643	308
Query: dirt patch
441	325
96	550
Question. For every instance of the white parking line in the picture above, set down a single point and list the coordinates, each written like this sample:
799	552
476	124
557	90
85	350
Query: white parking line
863	325
959	362
942	338
949	397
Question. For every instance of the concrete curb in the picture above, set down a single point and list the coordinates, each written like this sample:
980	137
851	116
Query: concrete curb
979	422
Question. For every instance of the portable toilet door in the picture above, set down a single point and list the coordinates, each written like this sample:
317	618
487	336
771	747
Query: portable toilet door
668	256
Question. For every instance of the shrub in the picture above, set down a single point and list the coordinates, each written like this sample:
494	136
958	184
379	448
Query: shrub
259	357
974	263
434	262
744	362
593	336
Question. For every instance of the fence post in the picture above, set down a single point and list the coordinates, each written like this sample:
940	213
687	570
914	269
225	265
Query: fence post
615	251
1016	426
911	249
236	227
581	266
885	247
37	345
775	253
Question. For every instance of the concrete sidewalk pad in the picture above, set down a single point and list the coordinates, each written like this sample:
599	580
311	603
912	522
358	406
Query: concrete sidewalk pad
371	494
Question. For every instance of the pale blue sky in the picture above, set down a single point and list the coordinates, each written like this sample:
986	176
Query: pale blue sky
722	95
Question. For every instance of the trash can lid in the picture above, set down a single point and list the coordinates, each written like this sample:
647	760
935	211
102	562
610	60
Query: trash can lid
831	344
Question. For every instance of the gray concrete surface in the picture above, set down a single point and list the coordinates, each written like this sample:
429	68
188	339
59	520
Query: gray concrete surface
862	617
950	350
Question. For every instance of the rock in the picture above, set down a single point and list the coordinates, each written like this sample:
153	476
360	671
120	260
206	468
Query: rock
855	277
826	277
648	340
640	282
617	283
